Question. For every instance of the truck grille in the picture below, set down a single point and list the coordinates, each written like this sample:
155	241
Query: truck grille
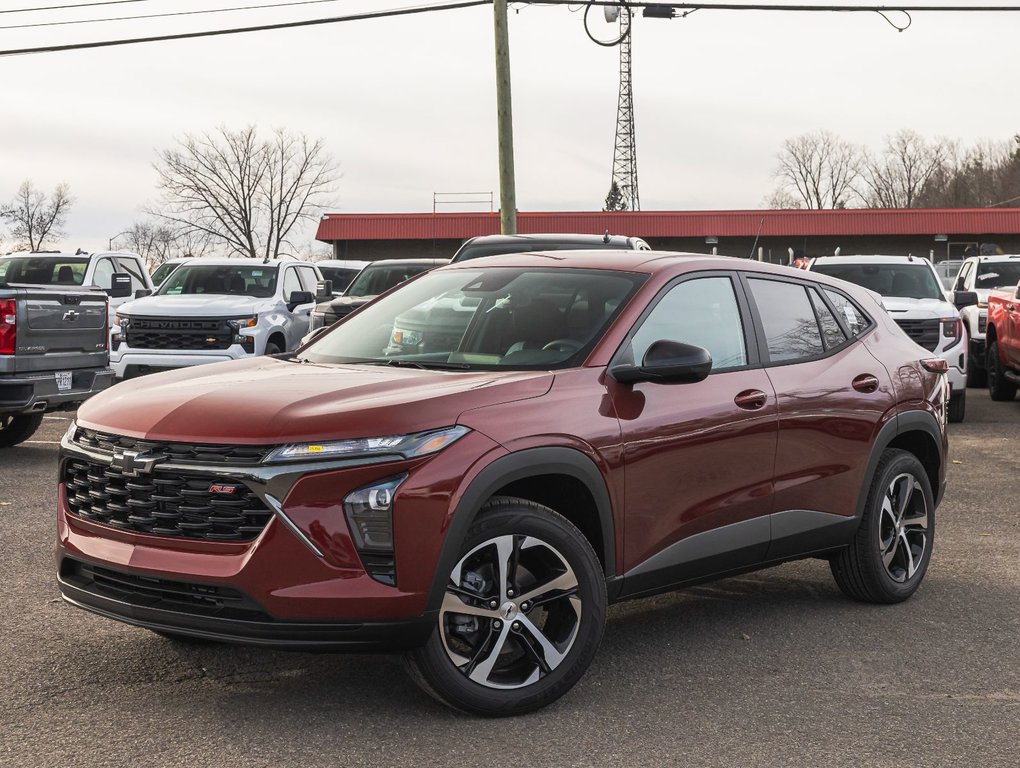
191	334
176	452
165	503
924	332
163	594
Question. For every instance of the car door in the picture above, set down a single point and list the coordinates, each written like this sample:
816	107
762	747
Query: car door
299	316
832	397
698	456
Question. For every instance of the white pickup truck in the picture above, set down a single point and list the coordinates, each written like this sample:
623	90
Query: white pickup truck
213	310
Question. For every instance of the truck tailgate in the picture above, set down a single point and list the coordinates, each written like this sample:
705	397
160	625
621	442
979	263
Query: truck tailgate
60	330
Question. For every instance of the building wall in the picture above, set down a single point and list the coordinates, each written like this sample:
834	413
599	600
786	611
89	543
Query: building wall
774	249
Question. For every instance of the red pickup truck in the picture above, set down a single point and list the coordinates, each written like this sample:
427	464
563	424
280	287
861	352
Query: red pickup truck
1003	352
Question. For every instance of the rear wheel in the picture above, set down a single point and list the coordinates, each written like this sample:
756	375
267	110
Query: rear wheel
957	407
891	551
17	428
522	615
999	387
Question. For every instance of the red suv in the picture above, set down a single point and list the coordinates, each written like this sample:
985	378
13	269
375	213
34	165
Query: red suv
570	429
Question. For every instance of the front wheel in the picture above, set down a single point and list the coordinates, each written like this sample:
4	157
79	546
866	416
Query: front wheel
18	428
957	407
891	551
522	615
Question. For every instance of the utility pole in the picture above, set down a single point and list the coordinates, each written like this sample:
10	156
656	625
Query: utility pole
625	175
504	122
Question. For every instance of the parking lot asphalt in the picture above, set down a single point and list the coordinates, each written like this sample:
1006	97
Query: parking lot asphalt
774	668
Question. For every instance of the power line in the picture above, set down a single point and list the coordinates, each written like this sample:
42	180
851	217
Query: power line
843	8
168	14
69	7
240	30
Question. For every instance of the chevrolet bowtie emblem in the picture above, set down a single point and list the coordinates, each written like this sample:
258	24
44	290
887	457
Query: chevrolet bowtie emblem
133	464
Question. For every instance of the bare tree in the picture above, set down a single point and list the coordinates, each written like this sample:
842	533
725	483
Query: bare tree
242	191
157	241
34	218
818	169
897	177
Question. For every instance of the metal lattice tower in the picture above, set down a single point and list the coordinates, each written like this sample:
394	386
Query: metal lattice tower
625	154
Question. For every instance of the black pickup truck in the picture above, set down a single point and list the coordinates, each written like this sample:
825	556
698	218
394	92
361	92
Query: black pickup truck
54	353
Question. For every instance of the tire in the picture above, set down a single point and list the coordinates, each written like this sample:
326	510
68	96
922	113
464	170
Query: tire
976	375
272	348
519	658
998	386
17	428
892	548
957	407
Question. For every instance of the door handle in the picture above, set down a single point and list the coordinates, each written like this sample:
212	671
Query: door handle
865	383
751	399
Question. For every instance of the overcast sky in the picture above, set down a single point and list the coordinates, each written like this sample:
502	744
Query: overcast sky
407	105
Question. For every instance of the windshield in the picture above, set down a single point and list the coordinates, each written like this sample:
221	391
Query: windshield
65	270
220	279
905	281
500	318
162	271
341	277
1001	275
379	278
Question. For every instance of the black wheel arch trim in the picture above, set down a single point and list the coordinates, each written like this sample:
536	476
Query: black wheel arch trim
900	424
520	465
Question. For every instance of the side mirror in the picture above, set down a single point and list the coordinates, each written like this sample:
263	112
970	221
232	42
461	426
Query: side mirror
299	297
121	286
667	362
963	299
141	293
324	290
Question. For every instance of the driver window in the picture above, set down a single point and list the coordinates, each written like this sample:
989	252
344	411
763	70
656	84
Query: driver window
703	312
103	276
290	283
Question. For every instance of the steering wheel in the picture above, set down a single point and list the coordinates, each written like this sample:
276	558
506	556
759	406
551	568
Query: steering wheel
563	345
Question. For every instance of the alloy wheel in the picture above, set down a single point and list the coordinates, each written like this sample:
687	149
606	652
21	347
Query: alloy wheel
903	528
511	612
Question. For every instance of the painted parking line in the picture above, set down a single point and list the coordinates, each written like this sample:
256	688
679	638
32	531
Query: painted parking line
41	442
57	418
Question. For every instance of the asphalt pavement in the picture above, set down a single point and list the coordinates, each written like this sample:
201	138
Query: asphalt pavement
775	668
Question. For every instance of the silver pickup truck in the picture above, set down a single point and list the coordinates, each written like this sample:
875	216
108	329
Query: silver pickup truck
54	353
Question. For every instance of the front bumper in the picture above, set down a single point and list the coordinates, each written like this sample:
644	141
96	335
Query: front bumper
128	362
38	392
79	587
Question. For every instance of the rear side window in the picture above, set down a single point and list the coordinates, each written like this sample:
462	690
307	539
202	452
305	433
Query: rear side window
788	319
703	312
855	320
832	334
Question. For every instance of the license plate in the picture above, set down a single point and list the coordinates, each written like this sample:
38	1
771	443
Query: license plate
63	381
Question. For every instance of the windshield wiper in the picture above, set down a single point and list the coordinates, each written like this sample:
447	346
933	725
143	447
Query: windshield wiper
421	365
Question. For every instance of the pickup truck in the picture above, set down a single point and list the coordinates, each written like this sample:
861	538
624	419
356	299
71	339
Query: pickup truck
1002	355
53	354
212	310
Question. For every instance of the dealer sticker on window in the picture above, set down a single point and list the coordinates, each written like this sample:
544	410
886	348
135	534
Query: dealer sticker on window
63	380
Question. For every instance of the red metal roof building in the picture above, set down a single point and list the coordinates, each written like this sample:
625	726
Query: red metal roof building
944	233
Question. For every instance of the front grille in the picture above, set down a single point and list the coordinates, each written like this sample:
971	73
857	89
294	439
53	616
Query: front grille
190	334
175	452
165	503
163	594
924	332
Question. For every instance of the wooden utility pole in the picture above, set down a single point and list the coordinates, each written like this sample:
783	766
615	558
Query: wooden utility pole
504	122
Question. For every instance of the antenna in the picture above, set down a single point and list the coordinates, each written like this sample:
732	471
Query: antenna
625	175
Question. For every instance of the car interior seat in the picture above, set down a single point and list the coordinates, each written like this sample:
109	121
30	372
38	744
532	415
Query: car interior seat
65	274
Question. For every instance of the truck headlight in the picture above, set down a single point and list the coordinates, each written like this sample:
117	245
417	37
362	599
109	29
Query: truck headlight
404	446
123	321
243	322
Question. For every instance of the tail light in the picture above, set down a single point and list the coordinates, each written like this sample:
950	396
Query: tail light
8	326
935	365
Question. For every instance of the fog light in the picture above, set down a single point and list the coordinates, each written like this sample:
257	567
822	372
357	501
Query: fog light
369	513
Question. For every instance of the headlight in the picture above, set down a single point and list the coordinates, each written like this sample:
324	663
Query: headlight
122	320
72	430
405	446
406	338
243	322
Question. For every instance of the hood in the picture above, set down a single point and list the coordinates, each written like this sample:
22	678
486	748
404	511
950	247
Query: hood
194	305
909	309
269	401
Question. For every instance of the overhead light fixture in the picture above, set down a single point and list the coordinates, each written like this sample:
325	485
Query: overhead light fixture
711	240
941	238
